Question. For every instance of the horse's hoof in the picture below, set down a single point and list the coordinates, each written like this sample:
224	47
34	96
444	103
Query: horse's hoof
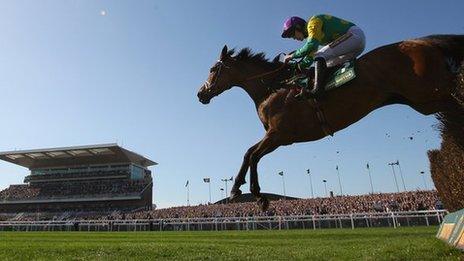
235	194
263	203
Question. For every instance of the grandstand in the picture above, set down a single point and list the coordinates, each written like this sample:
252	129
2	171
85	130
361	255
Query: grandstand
102	177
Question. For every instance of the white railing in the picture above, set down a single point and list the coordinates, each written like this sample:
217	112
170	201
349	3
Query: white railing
357	220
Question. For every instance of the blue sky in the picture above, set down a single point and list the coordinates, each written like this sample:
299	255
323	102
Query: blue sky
85	72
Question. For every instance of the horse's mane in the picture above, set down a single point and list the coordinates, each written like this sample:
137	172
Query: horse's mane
247	55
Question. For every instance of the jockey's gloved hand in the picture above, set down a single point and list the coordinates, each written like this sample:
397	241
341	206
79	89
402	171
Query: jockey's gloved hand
288	58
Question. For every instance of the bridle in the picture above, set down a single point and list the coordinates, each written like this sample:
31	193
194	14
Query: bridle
209	85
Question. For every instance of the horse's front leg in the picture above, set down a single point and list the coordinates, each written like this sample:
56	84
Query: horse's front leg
267	145
240	178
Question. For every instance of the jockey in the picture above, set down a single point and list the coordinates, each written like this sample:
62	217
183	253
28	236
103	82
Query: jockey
341	41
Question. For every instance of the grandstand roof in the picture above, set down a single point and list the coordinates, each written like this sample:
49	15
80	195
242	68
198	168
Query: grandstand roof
73	156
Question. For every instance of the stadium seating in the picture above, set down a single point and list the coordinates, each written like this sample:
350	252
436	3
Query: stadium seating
83	189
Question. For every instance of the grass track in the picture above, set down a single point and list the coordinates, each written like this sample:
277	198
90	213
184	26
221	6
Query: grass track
418	243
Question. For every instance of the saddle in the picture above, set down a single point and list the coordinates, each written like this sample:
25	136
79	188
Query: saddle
336	77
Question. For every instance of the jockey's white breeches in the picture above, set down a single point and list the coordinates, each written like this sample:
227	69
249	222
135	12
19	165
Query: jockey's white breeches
349	47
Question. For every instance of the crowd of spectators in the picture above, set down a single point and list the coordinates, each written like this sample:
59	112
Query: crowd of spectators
73	189
382	202
19	192
78	175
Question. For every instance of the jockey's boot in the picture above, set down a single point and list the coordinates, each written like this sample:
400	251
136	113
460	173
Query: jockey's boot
304	93
319	76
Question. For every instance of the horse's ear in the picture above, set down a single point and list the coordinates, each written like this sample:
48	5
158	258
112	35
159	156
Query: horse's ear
224	52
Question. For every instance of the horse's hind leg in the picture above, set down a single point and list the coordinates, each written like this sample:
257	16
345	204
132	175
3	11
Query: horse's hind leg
240	178
267	145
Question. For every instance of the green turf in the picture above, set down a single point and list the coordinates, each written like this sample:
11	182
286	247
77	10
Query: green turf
418	243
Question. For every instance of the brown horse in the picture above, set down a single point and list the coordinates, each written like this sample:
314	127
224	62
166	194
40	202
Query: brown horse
420	73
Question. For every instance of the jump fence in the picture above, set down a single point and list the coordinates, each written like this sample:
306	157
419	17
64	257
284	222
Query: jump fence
351	221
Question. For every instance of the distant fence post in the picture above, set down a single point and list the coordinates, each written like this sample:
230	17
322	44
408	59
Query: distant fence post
352	221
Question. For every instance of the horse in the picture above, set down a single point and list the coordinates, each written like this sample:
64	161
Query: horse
420	73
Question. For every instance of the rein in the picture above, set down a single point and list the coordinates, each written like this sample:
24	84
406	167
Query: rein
273	71
266	73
